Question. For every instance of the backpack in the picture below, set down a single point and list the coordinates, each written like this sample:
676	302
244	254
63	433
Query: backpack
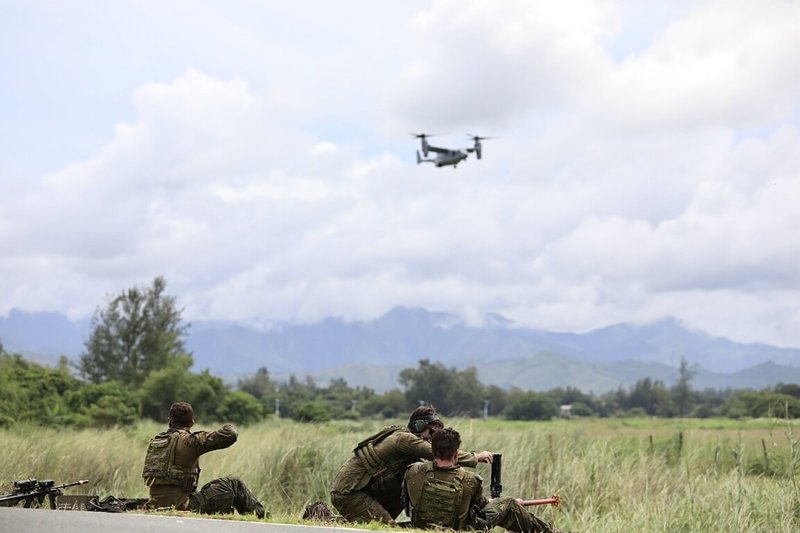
159	463
439	502
365	451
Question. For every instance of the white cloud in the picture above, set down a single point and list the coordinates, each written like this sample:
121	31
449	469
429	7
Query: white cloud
270	175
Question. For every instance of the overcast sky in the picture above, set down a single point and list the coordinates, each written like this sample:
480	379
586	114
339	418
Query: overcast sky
646	160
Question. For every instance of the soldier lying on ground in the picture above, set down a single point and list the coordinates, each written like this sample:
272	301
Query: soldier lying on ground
171	469
441	494
367	486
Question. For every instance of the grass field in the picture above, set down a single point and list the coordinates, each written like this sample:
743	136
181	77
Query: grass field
625	475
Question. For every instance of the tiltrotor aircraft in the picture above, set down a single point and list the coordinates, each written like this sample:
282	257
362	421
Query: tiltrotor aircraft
447	156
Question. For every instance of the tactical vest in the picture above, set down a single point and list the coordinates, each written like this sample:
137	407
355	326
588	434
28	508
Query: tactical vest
365	451
160	467
439	501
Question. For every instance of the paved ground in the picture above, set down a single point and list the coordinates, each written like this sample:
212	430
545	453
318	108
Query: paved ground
18	519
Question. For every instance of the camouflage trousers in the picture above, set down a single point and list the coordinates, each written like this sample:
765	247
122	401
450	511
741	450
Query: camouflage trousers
378	501
223	495
507	513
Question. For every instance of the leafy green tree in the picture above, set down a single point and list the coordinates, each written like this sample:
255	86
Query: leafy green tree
176	384
390	404
682	391
427	383
791	389
311	411
450	391
747	403
530	405
260	385
295	393
496	397
651	396
30	392
137	332
103	404
241	407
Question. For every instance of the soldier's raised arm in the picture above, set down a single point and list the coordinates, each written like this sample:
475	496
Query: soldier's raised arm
206	441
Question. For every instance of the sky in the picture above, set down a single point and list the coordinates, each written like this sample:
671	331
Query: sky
645	160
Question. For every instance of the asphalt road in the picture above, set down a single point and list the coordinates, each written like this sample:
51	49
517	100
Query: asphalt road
20	520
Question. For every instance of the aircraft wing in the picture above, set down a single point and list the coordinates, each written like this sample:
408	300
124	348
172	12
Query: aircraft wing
438	150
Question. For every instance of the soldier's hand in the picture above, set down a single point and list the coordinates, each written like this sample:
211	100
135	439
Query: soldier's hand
485	457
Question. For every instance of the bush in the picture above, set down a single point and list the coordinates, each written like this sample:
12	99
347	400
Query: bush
530	406
311	412
241	407
105	404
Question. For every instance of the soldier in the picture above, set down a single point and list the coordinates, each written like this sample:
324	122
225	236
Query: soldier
367	486
171	469
441	494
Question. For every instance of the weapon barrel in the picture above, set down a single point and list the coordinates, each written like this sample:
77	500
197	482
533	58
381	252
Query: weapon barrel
496	485
73	484
555	501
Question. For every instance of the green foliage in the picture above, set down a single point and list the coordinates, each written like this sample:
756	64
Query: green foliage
259	385
762	404
682	391
176	384
241	407
33	393
390	404
103	404
651	396
450	391
139	331
311	411
529	405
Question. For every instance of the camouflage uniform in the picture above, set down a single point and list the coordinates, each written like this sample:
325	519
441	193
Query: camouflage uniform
468	508
172	474
368	485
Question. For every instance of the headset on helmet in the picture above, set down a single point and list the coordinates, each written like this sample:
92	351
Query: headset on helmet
418	425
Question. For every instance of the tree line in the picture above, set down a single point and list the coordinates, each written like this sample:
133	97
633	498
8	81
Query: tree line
135	365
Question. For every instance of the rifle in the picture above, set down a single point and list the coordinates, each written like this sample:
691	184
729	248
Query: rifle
496	486
32	490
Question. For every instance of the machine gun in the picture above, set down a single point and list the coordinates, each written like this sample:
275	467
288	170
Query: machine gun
32	490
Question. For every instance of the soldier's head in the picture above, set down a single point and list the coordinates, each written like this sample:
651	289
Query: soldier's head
445	443
181	415
424	421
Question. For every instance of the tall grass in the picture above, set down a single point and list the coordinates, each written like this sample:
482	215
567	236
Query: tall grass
612	475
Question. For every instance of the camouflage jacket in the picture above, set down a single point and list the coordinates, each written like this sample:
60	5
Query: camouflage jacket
188	449
386	458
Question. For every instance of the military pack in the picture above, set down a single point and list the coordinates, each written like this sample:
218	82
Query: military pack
439	501
160	467
365	450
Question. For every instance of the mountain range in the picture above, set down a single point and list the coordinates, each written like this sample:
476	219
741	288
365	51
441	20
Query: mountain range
372	353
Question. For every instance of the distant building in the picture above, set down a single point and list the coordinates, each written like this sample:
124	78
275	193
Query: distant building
566	411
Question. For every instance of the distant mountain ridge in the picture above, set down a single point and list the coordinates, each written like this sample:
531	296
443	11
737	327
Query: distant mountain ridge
372	352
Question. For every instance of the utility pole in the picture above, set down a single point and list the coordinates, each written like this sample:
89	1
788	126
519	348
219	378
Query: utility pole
485	409
278	407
